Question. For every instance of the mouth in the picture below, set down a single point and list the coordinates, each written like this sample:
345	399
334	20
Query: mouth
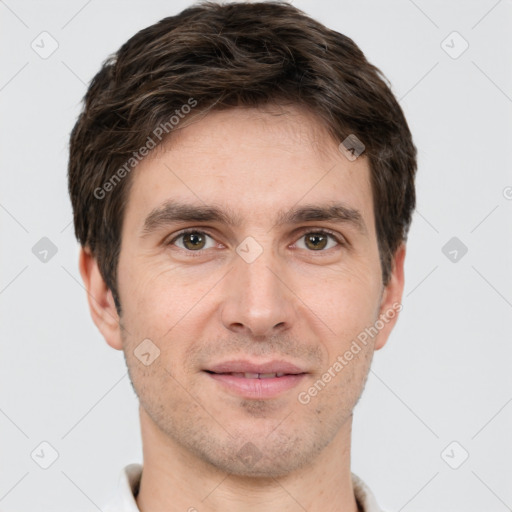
256	381
247	375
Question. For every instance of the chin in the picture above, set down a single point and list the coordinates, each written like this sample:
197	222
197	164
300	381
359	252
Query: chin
261	466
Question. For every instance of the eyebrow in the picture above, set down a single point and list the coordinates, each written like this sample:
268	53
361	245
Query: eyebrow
174	211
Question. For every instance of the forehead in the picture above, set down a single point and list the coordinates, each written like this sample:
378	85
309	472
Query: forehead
253	161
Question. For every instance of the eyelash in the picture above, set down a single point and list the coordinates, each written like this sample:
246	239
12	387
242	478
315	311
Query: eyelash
322	231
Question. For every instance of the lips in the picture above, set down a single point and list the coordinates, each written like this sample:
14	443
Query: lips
248	375
263	370
256	381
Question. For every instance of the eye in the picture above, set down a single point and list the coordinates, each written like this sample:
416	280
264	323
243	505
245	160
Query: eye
317	241
193	240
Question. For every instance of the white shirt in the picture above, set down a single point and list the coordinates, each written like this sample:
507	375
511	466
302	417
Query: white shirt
124	501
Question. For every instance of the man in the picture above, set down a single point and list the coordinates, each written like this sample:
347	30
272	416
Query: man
242	181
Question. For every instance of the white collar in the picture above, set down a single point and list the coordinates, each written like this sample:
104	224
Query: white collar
129	480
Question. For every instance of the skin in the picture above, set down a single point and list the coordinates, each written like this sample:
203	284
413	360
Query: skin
294	302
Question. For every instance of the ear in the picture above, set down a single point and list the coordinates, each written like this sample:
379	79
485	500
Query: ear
101	301
391	302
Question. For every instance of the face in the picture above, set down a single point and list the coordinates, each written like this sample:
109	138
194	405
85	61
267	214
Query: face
245	314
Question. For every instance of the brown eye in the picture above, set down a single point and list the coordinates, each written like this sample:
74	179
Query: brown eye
191	240
317	241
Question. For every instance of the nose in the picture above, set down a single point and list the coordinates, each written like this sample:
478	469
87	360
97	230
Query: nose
258	299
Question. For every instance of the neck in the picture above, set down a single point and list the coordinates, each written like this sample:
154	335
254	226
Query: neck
174	479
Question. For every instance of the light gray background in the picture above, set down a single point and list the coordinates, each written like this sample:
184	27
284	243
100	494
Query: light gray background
445	374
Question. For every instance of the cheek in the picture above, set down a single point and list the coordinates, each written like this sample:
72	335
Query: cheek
156	385
348	307
349	300
171	309
153	298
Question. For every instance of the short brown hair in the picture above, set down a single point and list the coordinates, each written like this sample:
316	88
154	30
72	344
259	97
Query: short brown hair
226	56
